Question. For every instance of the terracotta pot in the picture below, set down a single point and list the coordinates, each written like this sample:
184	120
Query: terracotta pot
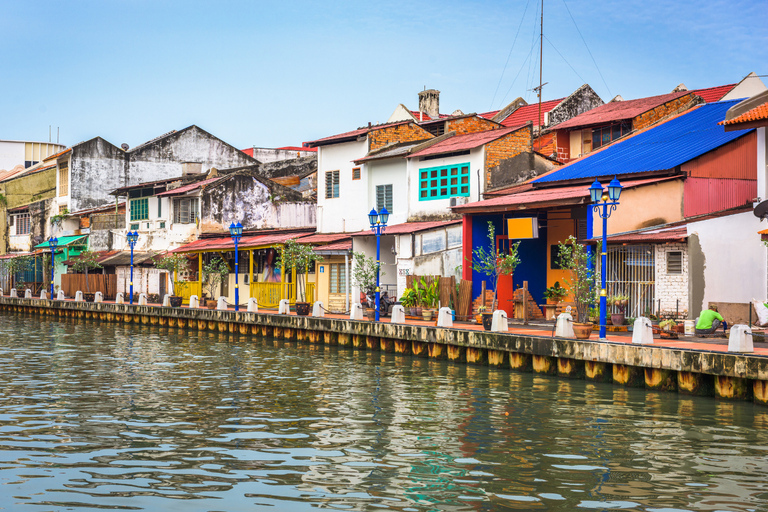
582	331
426	314
487	321
618	319
176	301
302	308
210	304
370	313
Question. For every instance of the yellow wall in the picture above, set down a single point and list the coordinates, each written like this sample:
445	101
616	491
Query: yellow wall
644	206
321	279
560	226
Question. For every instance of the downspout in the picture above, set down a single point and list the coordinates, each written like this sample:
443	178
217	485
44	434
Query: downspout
346	272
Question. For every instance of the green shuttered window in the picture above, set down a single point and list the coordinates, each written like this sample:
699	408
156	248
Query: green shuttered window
140	209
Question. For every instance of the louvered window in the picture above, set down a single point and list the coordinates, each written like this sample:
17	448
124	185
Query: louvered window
338	278
675	262
63	179
331	184
139	209
384	197
185	210
356	173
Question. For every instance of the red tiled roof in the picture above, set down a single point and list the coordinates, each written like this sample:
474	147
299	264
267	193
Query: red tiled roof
57	155
411	227
465	141
354	133
530	113
190	187
618	110
319	238
759	113
225	243
424	116
712	94
14	254
345	245
296	148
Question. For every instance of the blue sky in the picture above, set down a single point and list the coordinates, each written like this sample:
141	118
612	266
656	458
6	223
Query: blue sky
273	74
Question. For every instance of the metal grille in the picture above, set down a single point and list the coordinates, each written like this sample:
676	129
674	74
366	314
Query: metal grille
631	272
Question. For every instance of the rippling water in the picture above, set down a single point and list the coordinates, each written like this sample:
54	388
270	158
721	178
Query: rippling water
107	416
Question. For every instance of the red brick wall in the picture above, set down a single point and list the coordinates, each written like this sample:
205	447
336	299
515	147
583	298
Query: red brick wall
563	145
471	124
667	109
508	146
400	133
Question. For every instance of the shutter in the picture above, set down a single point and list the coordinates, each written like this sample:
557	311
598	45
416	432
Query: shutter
674	262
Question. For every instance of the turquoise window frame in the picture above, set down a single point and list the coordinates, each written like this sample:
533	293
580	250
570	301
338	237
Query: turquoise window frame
444	181
139	209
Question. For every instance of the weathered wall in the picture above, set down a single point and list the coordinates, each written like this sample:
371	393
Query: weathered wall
27	189
519	168
295	167
644	206
669	108
505	148
469	124
96	168
671	287
581	100
266	155
399	133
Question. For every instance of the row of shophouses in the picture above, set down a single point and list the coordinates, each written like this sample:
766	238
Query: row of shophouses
692	163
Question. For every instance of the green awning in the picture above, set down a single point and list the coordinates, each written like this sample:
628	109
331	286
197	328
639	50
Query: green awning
63	241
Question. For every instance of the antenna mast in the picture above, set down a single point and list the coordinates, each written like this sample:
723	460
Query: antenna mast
541	65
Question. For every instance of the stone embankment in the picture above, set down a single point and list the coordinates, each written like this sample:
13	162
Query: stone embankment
694	372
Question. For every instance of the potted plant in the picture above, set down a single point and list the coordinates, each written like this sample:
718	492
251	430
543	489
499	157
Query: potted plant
85	261
574	257
364	277
299	257
620	302
408	299
431	298
173	263
214	273
419	300
488	261
479	315
554	295
667	329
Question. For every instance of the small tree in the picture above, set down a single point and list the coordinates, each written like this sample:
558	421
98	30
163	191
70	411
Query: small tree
17	265
574	256
300	257
173	263
489	262
364	272
214	273
86	261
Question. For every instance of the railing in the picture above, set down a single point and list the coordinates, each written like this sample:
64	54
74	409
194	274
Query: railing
185	289
269	295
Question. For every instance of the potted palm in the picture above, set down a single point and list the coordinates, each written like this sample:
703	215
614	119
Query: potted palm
173	263
554	295
214	273
87	260
299	257
431	298
408	299
620	302
574	257
488	261
364	277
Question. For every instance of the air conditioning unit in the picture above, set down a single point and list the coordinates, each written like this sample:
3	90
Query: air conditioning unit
456	201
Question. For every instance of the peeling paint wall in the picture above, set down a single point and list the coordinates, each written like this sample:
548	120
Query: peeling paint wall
96	168
582	100
519	168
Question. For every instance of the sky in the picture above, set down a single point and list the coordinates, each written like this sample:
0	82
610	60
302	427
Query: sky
273	74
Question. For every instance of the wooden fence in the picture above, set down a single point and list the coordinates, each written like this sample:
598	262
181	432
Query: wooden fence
460	300
104	283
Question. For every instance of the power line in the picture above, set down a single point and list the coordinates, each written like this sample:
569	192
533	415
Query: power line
510	54
587	47
529	79
518	74
565	60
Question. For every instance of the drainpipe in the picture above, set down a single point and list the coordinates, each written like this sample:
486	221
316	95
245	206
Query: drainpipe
346	273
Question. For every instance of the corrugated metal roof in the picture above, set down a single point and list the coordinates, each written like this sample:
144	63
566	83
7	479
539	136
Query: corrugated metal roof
354	133
671	234
319	238
190	187
225	243
530	113
345	245
618	110
659	148
399	150
410	227
63	241
466	141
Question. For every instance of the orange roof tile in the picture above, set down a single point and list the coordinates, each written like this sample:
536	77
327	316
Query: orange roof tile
759	113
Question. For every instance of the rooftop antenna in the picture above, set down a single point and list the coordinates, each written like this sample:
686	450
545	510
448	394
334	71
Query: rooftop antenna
541	65
49	133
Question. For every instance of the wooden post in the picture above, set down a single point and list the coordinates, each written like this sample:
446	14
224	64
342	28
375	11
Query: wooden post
250	277
482	294
525	302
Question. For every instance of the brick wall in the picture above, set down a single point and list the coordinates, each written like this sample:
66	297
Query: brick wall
506	147
471	124
400	133
671	287
667	109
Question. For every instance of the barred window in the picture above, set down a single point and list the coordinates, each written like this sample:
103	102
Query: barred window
139	209
331	184
22	223
384	197
185	210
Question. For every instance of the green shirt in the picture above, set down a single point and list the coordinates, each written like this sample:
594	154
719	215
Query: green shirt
706	318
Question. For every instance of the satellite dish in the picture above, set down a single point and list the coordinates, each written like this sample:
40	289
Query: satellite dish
124	146
761	210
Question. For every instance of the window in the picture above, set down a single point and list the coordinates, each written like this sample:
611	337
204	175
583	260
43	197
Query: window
331	184
436	129
442	182
22	223
162	225
356	173
675	262
384	197
134	227
185	210
159	207
607	134
139	209
338	278
63	179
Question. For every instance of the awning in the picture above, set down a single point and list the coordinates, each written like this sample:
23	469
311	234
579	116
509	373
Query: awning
63	241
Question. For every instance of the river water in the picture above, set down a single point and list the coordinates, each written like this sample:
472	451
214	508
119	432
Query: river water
108	416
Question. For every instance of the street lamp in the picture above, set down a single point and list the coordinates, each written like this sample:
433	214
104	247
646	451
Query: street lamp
52	243
378	225
604	205
236	231
133	237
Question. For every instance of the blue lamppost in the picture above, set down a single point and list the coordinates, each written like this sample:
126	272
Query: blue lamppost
236	231
378	225
52	243
133	237
604	205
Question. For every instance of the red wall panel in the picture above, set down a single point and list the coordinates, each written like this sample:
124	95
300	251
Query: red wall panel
707	195
735	160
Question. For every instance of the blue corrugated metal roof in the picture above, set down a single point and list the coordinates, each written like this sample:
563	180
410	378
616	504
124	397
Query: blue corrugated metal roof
663	147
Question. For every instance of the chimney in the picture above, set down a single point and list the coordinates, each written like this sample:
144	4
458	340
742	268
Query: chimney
429	103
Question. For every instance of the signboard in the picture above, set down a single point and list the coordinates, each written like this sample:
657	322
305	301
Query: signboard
523	228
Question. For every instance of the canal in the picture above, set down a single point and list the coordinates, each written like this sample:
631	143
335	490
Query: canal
109	416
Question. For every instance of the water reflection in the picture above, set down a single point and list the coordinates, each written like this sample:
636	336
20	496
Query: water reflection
139	417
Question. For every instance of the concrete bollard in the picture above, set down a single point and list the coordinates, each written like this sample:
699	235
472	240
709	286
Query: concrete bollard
356	312
253	305
13	293
79	296
166	300
142	299
27	293
194	301
740	339
98	297
444	317
61	296
284	307
564	326
221	304
2	292
398	315
119	298
43	294
317	309
499	323
642	331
